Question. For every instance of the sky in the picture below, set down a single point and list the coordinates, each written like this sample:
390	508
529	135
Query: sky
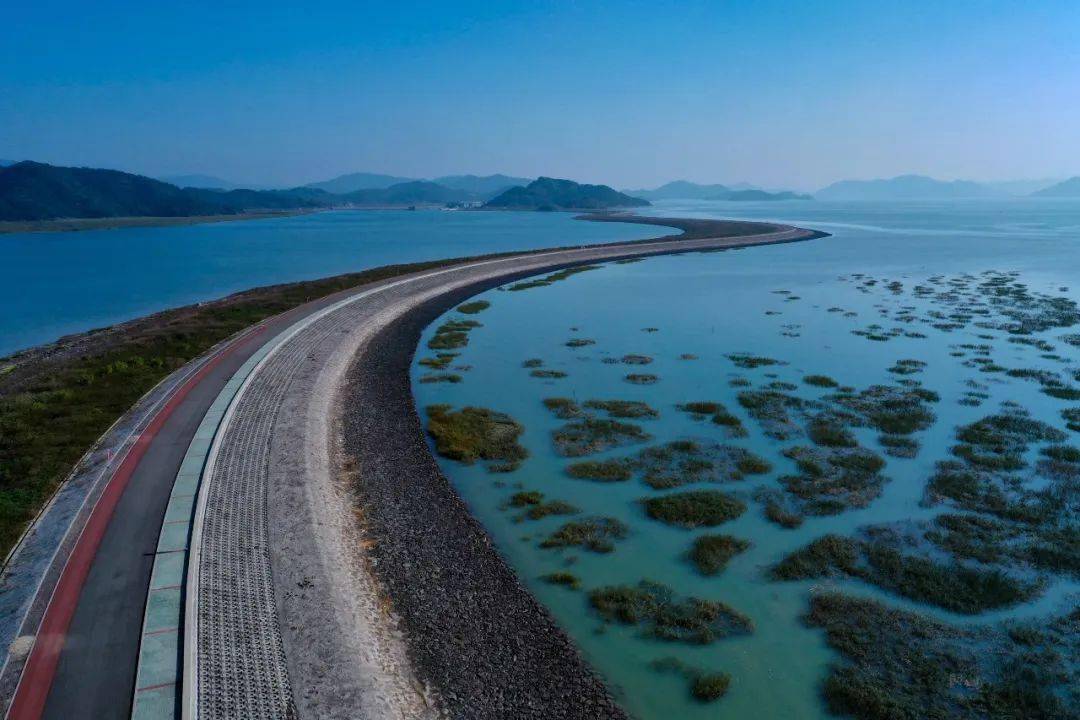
631	94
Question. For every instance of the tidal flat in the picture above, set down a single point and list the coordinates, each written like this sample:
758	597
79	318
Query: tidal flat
897	414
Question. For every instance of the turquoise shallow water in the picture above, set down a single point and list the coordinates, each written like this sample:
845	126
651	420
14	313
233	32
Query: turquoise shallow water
710	305
52	284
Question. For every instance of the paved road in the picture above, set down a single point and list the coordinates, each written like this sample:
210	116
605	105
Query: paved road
85	665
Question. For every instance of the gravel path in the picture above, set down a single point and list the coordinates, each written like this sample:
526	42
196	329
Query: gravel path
341	576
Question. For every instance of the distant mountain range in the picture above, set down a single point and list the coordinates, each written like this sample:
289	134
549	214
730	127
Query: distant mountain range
481	187
208	182
1066	189
32	191
905	187
352	182
552	194
920	187
685	190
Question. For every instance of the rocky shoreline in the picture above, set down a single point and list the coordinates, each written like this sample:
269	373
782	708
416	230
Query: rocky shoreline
474	632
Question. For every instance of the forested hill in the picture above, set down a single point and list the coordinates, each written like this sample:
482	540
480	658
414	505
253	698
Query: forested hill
35	191
551	194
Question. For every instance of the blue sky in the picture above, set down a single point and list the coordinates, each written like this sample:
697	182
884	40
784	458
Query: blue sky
628	93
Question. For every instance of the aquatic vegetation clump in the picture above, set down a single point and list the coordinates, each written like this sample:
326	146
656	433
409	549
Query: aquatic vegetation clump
474	307
548	374
452	334
694	508
820	381
601	470
473	433
635	360
579	342
597	534
566	579
664	616
780	509
907	367
623	408
682	462
563	408
537	508
749	361
720	416
833	480
591	435
891	409
962	588
552	278
532	363
826	431
642	378
899	445
770	409
440	362
711	553
898	664
1071	416
708	687
704	686
441	378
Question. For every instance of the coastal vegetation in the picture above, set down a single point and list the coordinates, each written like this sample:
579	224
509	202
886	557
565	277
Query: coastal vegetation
474	307
591	435
711	553
597	534
897	664
694	508
55	405
552	278
473	433
600	470
665	616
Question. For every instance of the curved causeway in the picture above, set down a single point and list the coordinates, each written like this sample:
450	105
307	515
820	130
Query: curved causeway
277	620
313	561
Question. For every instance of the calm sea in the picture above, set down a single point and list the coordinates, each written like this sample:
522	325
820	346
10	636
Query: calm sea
52	284
712	305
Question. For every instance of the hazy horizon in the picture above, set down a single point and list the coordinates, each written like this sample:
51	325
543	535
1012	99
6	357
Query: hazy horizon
632	95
